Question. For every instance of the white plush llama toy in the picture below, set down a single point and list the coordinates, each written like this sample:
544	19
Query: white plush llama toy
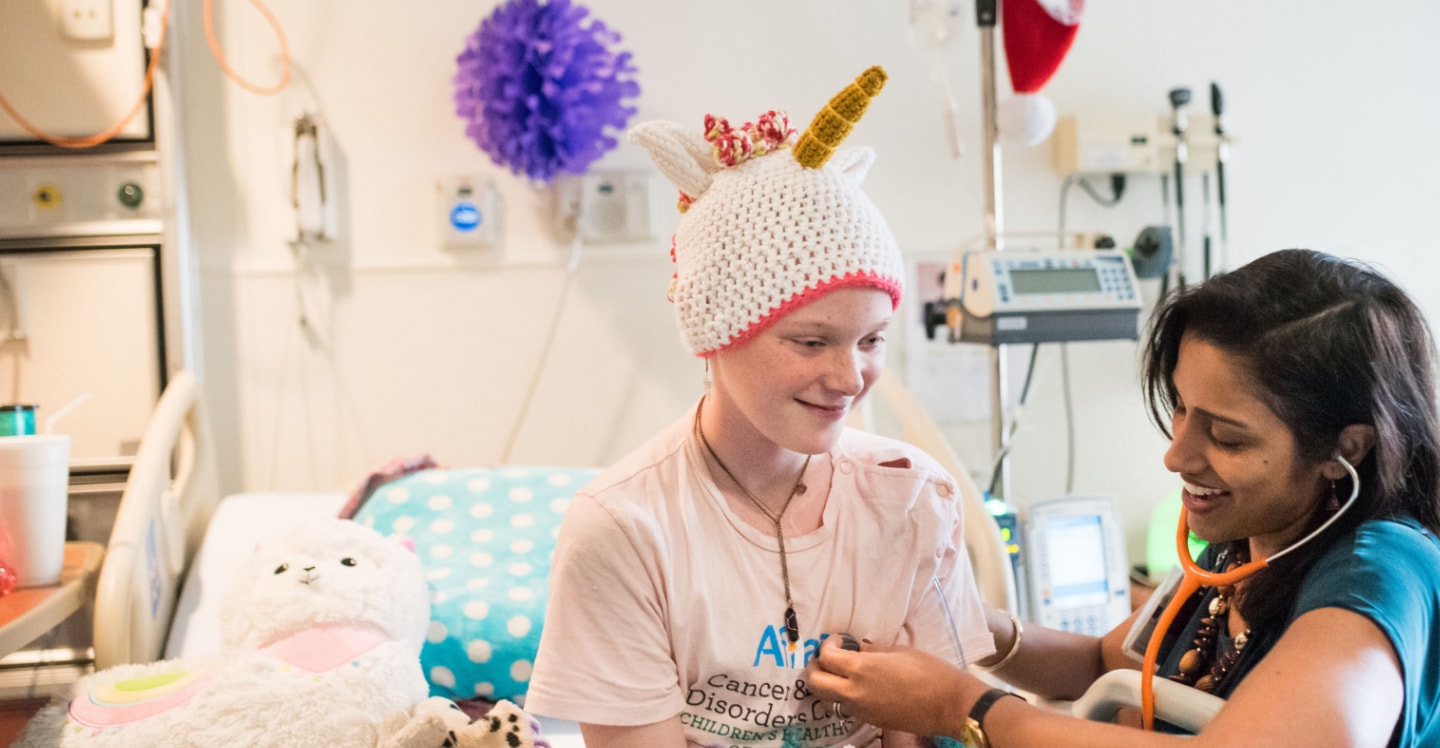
321	647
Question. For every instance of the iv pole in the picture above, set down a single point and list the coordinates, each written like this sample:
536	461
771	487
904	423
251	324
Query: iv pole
986	17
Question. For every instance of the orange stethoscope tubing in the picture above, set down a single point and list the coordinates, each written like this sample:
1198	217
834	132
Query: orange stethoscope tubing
89	141
1196	577
225	64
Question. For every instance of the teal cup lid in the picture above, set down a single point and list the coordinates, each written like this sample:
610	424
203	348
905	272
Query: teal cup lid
17	420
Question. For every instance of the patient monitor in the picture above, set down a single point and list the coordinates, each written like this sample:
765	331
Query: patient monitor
1076	571
1020	296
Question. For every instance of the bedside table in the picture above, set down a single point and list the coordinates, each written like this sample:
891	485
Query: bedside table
27	613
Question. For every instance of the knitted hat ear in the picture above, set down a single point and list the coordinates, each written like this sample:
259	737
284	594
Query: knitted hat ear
683	157
854	163
770	222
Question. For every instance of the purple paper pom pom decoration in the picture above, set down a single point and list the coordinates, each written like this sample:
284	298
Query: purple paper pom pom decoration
539	85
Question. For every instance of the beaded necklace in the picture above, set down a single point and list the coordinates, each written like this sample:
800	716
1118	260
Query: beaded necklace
1210	652
792	624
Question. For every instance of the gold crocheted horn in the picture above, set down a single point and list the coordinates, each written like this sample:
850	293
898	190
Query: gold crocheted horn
839	116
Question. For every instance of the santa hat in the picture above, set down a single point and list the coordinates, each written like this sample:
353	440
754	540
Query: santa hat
767	227
1037	33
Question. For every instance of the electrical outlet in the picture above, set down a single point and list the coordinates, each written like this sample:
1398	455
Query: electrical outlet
87	20
608	206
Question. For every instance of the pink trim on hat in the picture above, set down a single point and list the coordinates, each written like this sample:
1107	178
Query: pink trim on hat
868	279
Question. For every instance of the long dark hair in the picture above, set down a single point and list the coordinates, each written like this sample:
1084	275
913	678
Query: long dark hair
1329	343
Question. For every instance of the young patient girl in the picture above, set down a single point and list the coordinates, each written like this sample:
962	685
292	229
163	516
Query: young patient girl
695	579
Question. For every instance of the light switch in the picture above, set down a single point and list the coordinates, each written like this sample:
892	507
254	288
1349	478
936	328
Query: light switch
470	213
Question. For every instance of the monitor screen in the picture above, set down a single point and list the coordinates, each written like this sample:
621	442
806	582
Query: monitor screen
1075	548
1057	280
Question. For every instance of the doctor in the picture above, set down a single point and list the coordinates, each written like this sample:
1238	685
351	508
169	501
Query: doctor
1274	379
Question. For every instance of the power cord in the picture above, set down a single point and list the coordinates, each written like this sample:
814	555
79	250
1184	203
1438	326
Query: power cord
1117	191
1014	422
549	345
1069	419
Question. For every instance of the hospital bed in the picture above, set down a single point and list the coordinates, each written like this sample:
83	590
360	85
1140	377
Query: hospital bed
175	542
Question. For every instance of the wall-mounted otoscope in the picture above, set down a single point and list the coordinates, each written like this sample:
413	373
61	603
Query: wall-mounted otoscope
1179	97
1217	107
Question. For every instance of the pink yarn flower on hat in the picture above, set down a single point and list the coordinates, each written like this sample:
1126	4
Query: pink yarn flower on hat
729	145
771	132
674	275
735	146
732	146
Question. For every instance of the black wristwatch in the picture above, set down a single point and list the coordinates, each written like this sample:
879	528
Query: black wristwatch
974	735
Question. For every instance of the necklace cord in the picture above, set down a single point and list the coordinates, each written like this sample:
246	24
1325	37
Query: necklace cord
792	627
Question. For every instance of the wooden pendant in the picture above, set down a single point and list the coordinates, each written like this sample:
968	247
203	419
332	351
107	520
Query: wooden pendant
1191	662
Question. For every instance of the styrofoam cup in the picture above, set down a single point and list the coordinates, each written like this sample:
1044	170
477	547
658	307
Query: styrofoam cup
34	494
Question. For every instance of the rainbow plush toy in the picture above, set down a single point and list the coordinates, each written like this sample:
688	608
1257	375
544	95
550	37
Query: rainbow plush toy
321	637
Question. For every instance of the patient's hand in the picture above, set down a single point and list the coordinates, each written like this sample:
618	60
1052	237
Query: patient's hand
895	688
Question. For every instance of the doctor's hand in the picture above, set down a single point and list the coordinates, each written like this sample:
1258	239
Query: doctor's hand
895	688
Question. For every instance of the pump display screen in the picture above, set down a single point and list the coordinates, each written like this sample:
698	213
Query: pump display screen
1076	549
1056	280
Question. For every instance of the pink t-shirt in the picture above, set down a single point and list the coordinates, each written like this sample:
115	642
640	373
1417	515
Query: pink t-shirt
663	601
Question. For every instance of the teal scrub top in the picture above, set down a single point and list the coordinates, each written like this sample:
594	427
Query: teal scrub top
1388	571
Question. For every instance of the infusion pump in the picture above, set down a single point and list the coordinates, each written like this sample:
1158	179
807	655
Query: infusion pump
1020	296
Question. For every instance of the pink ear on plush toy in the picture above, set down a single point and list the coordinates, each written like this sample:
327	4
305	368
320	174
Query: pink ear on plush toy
408	543
1038	33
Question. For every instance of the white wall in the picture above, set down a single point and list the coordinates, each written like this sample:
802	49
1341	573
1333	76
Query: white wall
417	349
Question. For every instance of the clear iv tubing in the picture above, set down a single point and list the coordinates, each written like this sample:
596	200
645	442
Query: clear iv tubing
1196	577
950	621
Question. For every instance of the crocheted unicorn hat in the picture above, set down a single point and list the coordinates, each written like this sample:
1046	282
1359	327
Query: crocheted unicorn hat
767	227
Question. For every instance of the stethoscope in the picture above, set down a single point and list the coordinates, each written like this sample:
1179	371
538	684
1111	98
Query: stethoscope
1196	577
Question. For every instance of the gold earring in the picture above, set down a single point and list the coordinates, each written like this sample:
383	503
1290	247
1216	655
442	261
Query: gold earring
1334	504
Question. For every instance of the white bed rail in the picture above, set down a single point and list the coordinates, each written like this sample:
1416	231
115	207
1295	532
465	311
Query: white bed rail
168	500
993	573
1182	706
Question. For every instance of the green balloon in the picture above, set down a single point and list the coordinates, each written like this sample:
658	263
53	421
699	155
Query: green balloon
1160	556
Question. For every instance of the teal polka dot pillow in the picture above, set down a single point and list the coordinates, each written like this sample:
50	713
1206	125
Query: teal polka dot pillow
485	537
